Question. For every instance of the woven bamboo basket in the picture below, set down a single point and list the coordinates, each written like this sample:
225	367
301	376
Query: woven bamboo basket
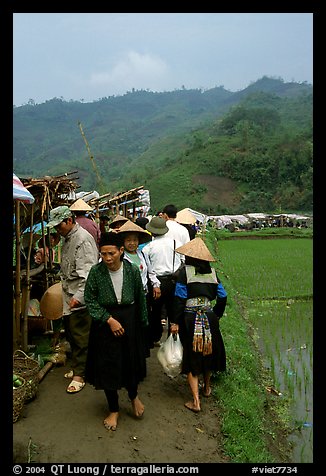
19	396
29	369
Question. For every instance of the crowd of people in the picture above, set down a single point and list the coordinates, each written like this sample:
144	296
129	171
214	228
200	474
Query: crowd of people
121	282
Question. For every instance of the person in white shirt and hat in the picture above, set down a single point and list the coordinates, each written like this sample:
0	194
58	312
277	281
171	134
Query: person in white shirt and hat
188	220
160	252
175	230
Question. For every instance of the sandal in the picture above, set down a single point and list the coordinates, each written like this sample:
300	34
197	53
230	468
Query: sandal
69	374
75	386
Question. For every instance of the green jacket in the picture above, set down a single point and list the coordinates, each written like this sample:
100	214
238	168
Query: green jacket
99	292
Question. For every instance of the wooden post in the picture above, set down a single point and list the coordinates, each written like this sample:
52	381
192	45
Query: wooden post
24	322
44	247
59	252
204	227
17	333
97	213
28	285
44	370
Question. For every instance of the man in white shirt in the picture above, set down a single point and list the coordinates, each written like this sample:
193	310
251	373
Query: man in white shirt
176	231
160	252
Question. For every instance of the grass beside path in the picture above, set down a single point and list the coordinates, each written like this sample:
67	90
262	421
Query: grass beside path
252	428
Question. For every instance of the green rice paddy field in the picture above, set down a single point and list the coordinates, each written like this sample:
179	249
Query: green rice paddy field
272	279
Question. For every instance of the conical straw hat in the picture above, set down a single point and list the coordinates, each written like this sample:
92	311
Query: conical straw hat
196	248
185	216
131	227
80	206
51	304
118	218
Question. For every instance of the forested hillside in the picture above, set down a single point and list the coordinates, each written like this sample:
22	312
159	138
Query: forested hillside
216	151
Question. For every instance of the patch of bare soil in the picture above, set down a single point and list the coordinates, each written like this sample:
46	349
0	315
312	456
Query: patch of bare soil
220	190
66	428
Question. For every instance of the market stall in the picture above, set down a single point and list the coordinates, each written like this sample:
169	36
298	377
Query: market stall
33	199
21	197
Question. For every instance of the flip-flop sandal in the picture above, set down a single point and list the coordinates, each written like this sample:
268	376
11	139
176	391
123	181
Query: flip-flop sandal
69	374
75	386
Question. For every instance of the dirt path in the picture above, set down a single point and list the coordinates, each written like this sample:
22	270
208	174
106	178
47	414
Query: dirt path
68	428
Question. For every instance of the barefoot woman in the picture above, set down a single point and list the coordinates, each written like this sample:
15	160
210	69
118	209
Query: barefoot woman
115	298
197	320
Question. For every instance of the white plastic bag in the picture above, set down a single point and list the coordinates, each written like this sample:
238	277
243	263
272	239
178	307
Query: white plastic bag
170	355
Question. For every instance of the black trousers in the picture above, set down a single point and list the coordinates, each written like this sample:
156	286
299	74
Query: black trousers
77	326
157	305
112	397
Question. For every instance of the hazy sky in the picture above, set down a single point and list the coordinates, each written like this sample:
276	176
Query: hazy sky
93	55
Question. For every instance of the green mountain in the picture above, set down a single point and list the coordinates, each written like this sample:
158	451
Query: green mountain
215	150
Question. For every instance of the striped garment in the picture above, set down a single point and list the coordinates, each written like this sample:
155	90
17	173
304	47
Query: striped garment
20	192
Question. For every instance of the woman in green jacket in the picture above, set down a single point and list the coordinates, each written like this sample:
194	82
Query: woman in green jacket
115	298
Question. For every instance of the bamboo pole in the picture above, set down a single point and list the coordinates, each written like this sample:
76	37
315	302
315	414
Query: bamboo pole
17	334
44	370
44	244
47	280
28	284
204	228
97	214
59	252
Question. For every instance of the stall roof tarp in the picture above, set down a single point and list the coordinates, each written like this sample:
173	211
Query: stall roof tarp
257	216
20	192
199	216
